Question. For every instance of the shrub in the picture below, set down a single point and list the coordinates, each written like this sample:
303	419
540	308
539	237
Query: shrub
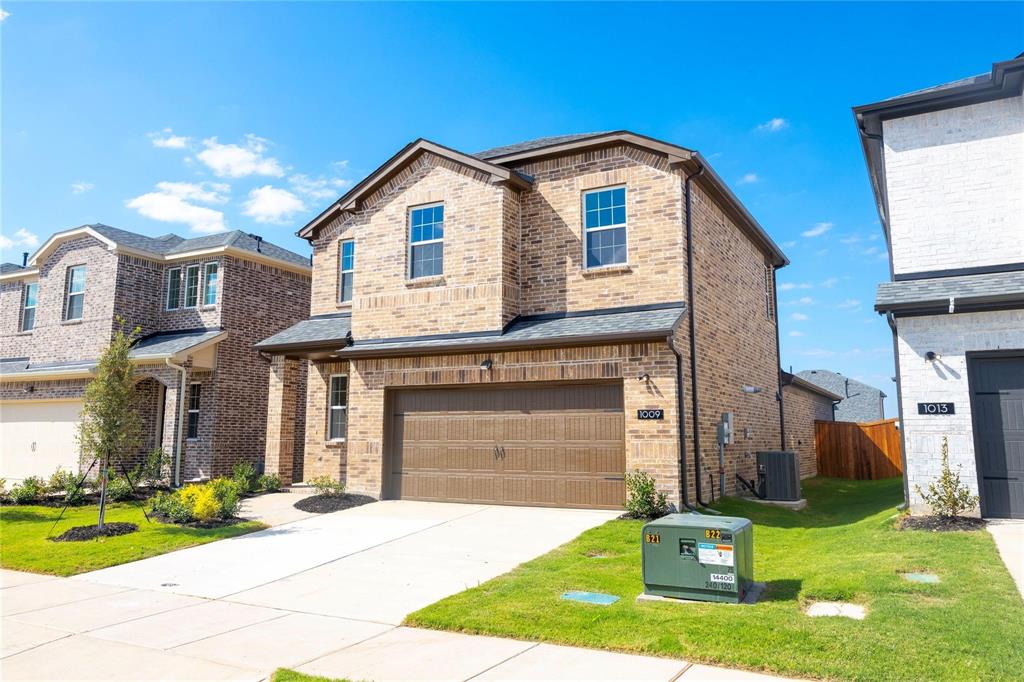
269	482
28	491
204	502
946	495
228	496
3	488
244	474
119	489
64	481
643	501
325	485
171	506
152	472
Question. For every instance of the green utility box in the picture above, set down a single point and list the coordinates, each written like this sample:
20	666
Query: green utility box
693	556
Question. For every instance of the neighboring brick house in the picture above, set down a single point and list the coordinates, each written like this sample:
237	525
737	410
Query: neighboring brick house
805	403
200	305
512	326
858	402
947	168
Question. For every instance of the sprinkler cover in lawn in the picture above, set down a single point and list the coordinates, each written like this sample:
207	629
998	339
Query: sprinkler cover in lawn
691	556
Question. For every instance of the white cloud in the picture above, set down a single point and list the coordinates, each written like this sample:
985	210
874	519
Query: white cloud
234	161
818	353
803	300
773	125
790	244
749	179
269	204
81	187
170	203
318	188
799	317
21	237
852	239
789	286
4	14
817	230
166	139
870	251
796	332
849	303
830	282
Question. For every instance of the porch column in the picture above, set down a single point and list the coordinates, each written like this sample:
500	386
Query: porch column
281	396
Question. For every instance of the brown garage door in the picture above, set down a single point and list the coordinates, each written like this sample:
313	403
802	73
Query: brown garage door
551	446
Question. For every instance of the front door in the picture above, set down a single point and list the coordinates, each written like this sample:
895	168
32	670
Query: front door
997	405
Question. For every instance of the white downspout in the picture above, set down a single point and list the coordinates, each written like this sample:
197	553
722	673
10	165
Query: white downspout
177	421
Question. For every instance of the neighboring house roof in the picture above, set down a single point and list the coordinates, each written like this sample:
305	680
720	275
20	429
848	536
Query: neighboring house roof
793	380
171	247
579	328
175	345
859	402
494	161
320	331
1006	79
6	268
965	293
19	369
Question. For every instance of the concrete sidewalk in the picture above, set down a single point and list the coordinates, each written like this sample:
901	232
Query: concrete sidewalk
63	629
1009	537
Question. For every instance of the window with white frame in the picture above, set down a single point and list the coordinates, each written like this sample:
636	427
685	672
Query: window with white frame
337	407
28	308
211	278
426	241
174	288
604	223
74	304
347	270
192	286
194	395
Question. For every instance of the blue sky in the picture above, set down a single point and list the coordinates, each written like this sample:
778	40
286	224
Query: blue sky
193	117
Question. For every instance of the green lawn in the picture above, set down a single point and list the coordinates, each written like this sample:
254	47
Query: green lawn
286	675
843	547
24	547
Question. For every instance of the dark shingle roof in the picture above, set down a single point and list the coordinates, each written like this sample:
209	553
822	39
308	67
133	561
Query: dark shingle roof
314	331
170	244
938	291
543	330
171	343
533	144
970	80
6	268
860	402
21	365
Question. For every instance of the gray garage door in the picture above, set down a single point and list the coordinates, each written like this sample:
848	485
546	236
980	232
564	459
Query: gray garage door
997	402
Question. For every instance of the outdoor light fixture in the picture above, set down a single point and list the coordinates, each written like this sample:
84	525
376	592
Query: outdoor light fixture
643	377
752	389
932	356
486	364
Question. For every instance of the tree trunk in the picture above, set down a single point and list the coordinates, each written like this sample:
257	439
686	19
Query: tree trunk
103	492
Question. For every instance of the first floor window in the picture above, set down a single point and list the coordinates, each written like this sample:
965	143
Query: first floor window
28	314
174	288
348	262
338	406
192	286
604	226
426	241
74	307
210	284
194	392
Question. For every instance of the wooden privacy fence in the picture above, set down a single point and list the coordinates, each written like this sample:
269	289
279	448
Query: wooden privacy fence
862	451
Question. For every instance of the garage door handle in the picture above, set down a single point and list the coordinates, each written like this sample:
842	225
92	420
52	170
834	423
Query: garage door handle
495	452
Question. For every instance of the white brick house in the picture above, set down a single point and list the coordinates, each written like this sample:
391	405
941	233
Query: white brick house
947	169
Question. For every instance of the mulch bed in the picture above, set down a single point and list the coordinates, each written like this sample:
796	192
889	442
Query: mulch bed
939	524
324	504
80	533
217	523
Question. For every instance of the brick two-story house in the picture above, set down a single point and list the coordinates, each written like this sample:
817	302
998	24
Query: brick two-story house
947	168
524	325
200	305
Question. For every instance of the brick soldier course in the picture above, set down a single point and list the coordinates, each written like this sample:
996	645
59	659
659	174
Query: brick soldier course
260	289
517	306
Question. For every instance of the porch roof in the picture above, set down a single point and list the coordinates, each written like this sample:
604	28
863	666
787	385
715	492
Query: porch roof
330	331
967	293
170	345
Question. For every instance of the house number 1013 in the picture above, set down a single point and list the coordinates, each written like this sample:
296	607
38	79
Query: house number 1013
936	408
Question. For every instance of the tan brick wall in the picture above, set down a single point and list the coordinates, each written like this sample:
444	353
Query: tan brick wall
803	408
322	457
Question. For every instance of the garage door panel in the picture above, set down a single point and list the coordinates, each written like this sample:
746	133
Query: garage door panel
549	439
37	437
997	404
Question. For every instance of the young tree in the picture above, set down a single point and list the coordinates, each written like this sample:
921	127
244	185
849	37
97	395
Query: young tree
110	425
947	496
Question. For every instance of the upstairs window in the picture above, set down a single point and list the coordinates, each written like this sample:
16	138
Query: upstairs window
210	280
769	298
348	262
28	311
194	395
338	406
174	288
74	305
604	222
426	241
192	286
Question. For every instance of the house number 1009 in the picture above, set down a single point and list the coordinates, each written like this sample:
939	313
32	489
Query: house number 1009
650	414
